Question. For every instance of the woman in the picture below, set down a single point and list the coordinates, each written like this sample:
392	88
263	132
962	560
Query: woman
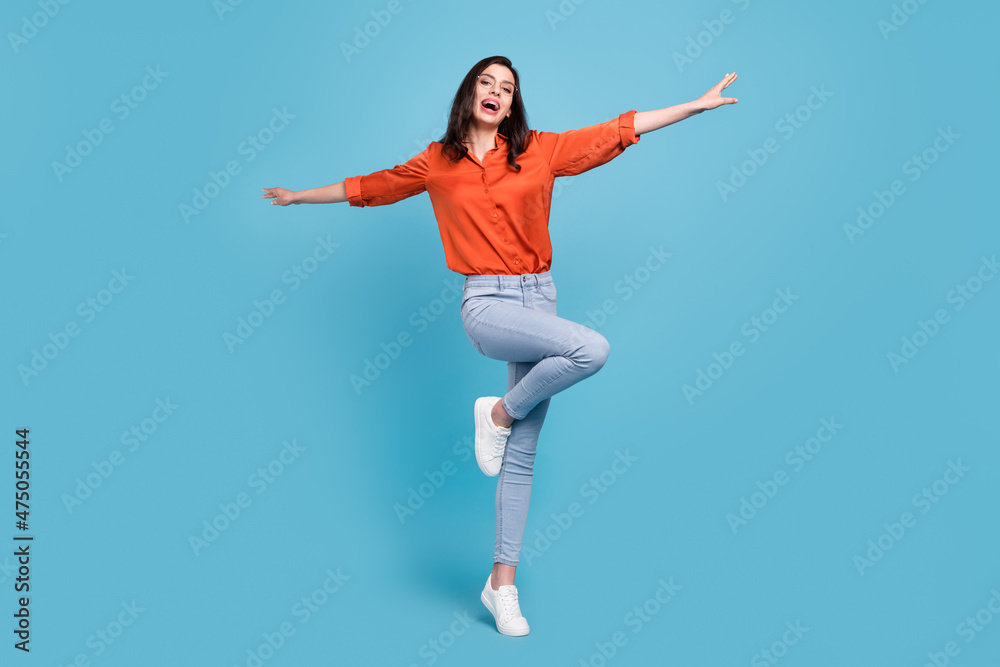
490	182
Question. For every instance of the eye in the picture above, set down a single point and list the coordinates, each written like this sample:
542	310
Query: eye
508	90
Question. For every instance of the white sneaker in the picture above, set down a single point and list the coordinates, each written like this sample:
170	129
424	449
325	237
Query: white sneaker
502	603
491	440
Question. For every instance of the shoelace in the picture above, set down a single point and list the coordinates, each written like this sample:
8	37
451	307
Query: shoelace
499	444
508	600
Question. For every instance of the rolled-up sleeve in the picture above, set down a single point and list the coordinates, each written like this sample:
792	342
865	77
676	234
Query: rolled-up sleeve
576	151
389	186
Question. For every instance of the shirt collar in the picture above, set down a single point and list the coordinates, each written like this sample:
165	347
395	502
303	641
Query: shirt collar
499	137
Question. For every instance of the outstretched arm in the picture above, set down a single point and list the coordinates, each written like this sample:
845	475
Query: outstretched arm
329	194
647	121
379	188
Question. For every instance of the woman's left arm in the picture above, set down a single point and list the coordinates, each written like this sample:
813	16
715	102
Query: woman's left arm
647	121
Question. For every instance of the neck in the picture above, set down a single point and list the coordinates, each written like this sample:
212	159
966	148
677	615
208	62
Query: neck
481	136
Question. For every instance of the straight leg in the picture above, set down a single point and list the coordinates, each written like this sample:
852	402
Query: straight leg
514	481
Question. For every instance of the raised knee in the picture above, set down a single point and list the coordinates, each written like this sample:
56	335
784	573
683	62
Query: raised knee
602	348
596	351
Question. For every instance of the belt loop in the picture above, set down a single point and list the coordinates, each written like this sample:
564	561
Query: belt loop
500	281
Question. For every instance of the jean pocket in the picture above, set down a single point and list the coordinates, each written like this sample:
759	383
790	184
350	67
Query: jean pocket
478	290
548	290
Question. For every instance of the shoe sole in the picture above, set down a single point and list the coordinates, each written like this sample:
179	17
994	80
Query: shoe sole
509	633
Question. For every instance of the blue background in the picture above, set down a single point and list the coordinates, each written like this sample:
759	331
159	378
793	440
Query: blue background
333	506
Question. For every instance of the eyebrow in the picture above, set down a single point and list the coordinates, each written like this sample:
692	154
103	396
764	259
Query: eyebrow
493	77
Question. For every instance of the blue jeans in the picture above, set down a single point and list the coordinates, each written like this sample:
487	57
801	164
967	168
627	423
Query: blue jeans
513	318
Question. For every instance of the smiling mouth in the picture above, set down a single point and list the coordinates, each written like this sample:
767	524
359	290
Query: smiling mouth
491	105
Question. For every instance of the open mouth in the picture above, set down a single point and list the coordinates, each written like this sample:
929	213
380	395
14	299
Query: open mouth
491	105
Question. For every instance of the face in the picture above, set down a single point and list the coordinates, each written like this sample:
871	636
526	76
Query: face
496	95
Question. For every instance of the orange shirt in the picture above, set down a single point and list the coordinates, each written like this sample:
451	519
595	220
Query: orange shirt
492	219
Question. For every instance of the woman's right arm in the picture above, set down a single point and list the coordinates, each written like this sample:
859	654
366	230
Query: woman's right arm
376	189
329	194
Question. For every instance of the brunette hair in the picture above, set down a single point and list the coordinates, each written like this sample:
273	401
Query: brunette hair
515	127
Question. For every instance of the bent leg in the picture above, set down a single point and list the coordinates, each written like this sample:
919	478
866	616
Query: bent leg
565	352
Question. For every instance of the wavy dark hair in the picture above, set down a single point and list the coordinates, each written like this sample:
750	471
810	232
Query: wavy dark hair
515	128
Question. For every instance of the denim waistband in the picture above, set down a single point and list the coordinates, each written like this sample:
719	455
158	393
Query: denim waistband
502	281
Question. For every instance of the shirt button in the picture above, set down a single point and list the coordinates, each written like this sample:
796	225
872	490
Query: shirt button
517	261
494	215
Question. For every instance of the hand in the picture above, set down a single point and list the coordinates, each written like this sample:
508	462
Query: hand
713	98
281	196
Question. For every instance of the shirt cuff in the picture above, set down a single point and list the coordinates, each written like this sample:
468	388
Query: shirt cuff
352	185
626	129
